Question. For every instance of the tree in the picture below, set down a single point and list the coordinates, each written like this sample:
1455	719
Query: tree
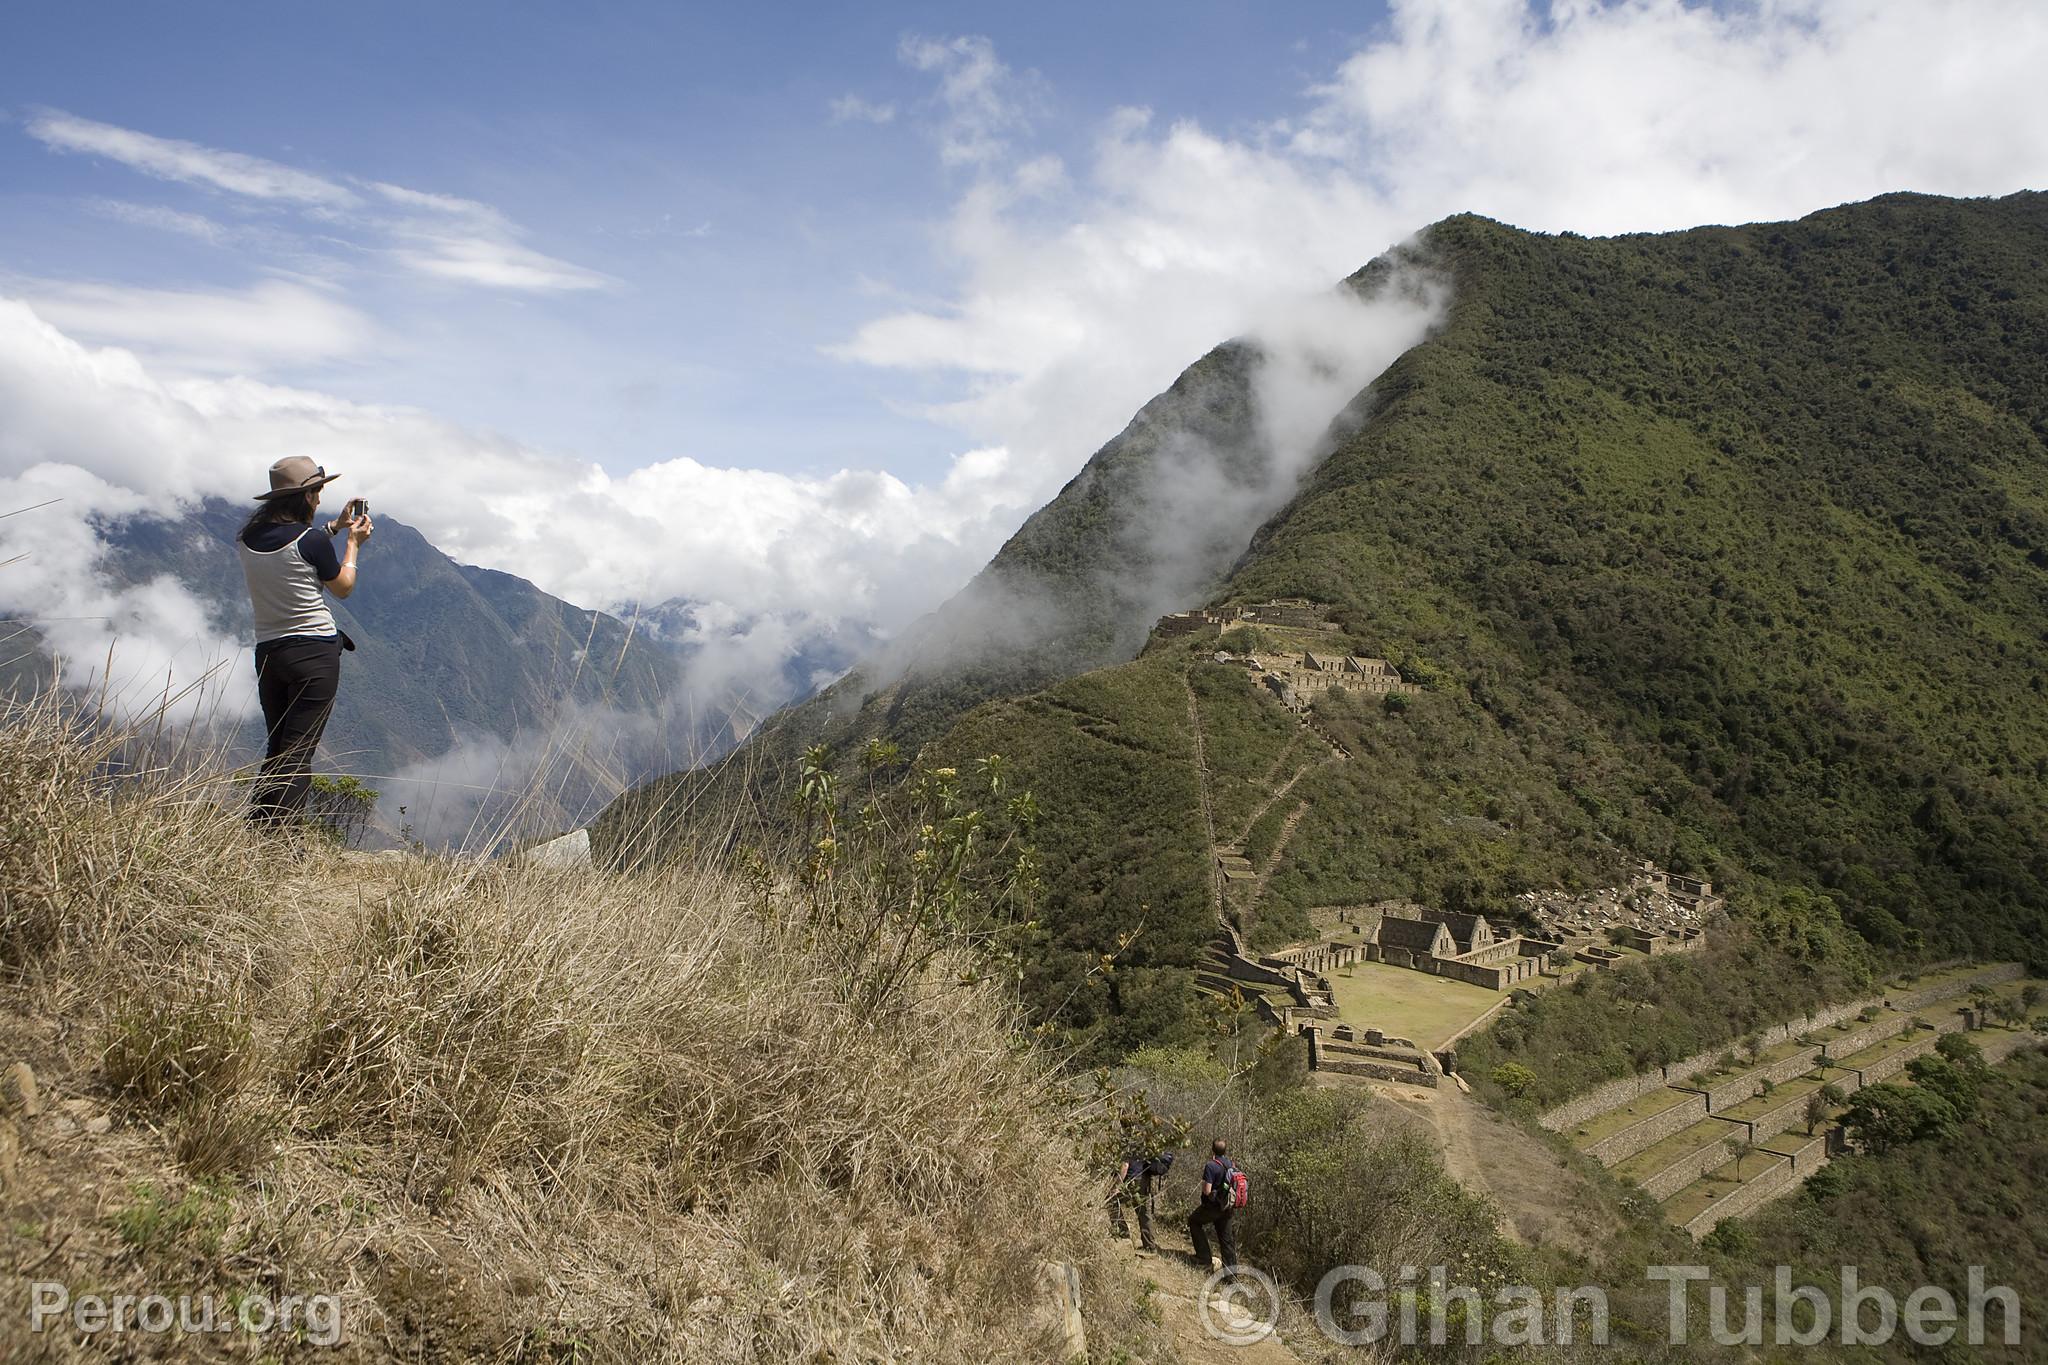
1953	1082
1816	1109
1740	1147
2030	996
1731	1237
1883	1118
1959	1049
1514	1078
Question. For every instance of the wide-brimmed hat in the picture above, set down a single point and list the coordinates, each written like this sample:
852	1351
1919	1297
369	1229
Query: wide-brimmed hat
295	474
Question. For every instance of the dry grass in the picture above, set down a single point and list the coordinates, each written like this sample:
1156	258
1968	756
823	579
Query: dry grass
513	1113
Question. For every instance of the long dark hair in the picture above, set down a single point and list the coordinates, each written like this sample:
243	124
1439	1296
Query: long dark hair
279	511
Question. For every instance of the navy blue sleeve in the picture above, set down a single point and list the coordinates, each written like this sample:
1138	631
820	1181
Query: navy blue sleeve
316	547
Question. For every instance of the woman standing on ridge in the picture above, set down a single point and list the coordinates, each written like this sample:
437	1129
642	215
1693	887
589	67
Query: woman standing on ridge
298	646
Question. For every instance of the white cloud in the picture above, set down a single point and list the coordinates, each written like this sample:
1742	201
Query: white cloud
172	159
267	326
854	547
1081	294
982	102
162	218
854	109
442	236
1653	114
497	264
139	646
473	243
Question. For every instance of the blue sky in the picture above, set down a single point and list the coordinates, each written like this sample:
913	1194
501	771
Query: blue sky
798	313
690	153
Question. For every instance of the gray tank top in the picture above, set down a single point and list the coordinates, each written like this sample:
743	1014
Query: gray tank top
284	593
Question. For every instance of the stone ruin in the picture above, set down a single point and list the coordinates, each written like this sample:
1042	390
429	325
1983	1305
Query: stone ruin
1298	682
1375	1055
1290	613
1657	912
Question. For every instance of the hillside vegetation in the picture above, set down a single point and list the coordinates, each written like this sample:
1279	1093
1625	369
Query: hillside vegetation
1726	548
509	1113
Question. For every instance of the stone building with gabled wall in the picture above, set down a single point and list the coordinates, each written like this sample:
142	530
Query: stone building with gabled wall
1298	681
1463	947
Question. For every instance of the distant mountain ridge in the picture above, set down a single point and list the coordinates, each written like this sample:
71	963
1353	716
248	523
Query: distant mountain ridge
468	677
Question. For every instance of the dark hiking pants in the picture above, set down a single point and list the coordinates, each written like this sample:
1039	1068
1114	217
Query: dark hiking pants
1198	1223
1139	1194
295	681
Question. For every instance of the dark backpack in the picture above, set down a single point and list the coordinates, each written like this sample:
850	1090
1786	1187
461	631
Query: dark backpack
1159	1165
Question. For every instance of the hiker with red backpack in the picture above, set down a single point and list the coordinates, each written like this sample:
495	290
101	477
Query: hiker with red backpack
1224	1191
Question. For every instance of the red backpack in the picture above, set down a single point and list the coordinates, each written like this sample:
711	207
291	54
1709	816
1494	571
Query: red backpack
1236	1191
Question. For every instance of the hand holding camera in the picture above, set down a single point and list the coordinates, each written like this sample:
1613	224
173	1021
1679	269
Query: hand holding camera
354	519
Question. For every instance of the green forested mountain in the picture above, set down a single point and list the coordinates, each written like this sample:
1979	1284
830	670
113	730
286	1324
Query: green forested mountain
1727	548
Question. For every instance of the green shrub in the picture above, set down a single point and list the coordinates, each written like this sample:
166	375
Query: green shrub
1513	1078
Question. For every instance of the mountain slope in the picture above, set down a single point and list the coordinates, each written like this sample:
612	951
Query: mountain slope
1727	548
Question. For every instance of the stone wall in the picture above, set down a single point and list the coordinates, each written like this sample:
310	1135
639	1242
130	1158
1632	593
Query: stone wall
1731	1092
1624	1143
1614	1094
1776	1120
1792	1067
1661	1185
1244	969
1990	976
1493	978
1601	1099
1380	1071
1791	1172
1746	1196
1338	1051
1892	1065
1870	1034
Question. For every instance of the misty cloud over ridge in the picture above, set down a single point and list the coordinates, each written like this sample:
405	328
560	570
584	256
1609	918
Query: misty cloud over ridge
1160	514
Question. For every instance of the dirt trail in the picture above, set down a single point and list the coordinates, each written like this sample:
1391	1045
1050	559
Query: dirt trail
1542	1200
1287	828
1280	792
1177	1292
1272	774
1202	784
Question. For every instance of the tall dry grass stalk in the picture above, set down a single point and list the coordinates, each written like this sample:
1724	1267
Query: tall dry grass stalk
517	1113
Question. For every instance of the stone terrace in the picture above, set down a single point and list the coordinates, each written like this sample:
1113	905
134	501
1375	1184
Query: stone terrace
1675	1139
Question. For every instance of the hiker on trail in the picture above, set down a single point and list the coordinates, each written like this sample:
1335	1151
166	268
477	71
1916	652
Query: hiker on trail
1137	1182
1219	1203
287	560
